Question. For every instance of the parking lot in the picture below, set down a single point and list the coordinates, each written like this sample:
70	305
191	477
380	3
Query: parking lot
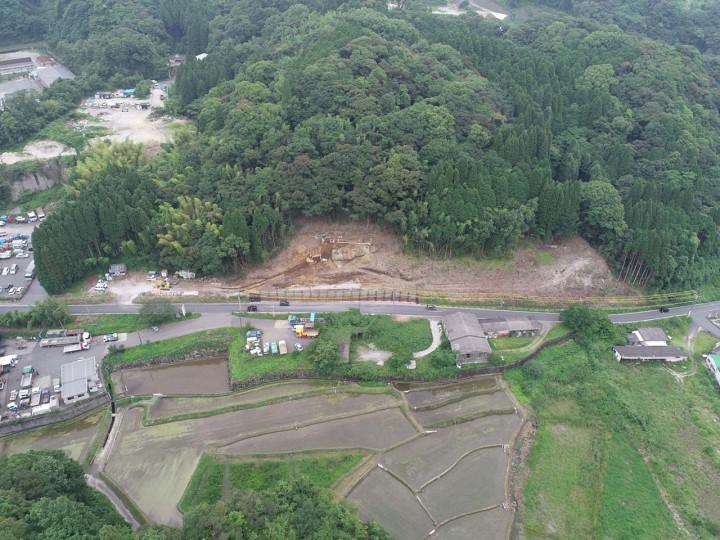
45	360
33	290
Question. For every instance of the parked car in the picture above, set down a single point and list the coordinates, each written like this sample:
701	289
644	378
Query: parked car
8	286
20	290
5	270
11	290
22	255
21	219
44	396
266	348
284	303
252	308
14	269
254	299
13	395
298	347
12	406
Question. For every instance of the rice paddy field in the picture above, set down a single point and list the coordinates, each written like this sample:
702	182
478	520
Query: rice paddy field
208	376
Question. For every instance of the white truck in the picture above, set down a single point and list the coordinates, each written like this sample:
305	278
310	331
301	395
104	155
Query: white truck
32	216
78	347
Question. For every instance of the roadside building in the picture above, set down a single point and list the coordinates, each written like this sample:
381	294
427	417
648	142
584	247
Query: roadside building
648	337
16	65
649	352
78	379
520	327
467	338
44	60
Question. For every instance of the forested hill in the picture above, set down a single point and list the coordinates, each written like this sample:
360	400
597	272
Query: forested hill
463	135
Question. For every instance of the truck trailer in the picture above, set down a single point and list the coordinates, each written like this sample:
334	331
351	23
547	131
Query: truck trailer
61	341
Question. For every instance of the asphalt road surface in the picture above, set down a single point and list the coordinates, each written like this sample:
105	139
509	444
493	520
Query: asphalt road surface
698	312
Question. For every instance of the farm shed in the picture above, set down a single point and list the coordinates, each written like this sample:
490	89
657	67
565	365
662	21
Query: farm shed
648	337
667	354
467	338
77	378
523	326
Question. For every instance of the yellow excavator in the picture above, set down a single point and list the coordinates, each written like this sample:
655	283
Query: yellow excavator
162	283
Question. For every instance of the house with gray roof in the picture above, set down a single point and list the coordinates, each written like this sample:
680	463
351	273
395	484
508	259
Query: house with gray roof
648	337
467	338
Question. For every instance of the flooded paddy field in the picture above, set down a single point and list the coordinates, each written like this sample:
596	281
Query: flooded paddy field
209	376
172	406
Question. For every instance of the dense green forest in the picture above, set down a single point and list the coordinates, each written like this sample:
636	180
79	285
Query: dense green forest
43	496
463	134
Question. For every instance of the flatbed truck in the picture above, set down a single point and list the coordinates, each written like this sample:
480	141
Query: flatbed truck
77	347
61	341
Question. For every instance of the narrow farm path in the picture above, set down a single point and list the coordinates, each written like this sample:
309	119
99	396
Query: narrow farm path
103	488
436	339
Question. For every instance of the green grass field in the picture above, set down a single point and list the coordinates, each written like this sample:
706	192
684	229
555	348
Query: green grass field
208	339
127	322
598	418
212	479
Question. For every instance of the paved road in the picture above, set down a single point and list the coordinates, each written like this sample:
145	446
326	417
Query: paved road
698	312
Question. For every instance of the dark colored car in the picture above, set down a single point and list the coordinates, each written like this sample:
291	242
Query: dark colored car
252	308
431	308
44	396
254	299
664	310
284	303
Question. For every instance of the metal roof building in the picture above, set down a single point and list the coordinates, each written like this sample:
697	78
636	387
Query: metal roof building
75	379
510	327
643	353
467	338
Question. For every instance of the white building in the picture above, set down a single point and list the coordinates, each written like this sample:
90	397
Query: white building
16	65
78	380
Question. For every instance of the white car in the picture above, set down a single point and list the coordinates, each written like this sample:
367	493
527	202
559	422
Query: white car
22	255
13	395
20	290
12	290
298	347
14	269
5	270
2	223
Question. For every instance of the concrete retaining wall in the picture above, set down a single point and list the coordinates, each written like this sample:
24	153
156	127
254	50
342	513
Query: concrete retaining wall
74	411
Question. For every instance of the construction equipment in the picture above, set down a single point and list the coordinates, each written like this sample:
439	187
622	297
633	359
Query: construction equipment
162	283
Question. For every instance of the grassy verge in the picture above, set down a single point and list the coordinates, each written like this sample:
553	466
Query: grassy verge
212	479
612	436
190	343
128	322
